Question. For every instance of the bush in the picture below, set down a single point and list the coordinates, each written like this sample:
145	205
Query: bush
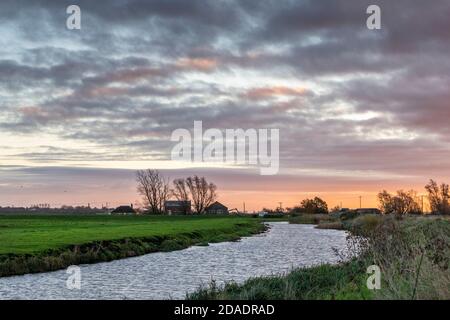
348	215
413	255
365	224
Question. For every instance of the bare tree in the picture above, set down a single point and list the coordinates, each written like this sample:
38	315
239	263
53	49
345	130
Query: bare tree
386	202
202	193
407	202
438	197
401	203
154	189
180	190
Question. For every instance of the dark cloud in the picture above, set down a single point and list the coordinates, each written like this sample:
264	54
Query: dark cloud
344	97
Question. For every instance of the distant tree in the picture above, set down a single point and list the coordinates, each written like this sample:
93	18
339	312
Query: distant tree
198	190
154	189
438	197
407	202
316	205
401	203
335	209
180	190
386	203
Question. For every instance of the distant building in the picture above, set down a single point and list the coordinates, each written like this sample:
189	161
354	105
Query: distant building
368	211
216	208
177	207
124	210
263	214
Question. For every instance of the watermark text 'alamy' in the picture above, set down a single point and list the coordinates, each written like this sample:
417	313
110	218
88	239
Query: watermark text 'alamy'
229	146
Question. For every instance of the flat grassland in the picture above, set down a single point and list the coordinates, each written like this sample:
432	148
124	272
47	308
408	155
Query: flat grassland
42	243
25	234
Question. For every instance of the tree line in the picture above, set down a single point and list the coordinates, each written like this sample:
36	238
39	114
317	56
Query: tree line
156	189
407	202
400	203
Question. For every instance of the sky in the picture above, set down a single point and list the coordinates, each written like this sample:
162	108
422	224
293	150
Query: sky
358	110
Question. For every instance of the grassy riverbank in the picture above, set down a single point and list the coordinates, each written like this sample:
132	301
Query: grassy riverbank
412	253
45	243
344	281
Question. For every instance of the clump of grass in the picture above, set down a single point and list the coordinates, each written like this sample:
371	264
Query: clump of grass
321	282
414	257
364	225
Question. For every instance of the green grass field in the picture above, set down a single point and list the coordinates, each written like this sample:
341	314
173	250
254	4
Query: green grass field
45	243
25	234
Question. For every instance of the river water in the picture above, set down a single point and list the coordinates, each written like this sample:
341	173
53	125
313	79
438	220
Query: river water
170	275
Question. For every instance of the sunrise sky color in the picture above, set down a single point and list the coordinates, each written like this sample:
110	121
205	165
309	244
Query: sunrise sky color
358	110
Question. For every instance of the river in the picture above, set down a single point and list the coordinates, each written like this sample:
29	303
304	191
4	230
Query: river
169	275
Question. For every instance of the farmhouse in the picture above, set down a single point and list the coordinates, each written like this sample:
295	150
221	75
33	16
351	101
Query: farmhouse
216	208
124	210
177	207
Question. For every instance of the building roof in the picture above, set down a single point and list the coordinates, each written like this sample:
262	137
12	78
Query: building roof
216	205
124	209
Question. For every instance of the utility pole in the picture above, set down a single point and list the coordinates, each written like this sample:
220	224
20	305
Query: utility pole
422	203
244	207
281	205
360	202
